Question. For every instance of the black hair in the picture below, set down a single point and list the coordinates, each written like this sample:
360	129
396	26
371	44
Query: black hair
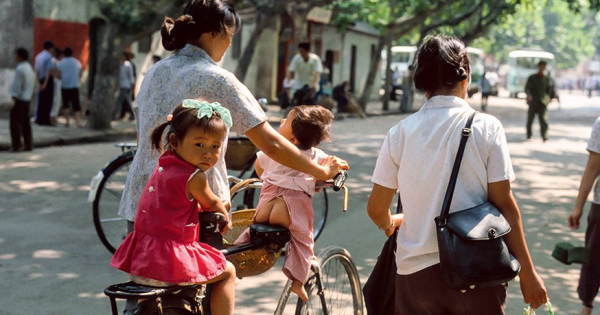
442	63
199	17
68	52
58	52
48	44
183	119
305	46
311	125
22	53
542	62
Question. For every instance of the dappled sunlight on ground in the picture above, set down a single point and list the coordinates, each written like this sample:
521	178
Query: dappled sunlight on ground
48	253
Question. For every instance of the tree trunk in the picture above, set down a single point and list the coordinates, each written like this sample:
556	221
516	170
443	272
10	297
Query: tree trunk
388	87
373	70
106	83
246	58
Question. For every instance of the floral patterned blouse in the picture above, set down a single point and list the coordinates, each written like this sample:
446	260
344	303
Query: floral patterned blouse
190	73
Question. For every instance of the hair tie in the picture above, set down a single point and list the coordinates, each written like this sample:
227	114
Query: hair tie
169	118
207	109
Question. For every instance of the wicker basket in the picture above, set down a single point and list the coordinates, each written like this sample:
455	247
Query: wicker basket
240	152
253	262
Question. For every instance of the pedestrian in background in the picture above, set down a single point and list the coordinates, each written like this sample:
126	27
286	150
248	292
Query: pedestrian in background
57	54
126	83
539	91
305	68
70	73
589	279
21	92
44	69
416	159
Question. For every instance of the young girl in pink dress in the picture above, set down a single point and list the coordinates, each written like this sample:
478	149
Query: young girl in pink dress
163	249
286	195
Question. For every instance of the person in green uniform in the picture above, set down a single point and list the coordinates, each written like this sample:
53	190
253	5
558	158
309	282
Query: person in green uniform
538	89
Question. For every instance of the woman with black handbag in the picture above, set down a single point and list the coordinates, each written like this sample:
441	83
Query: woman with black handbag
417	159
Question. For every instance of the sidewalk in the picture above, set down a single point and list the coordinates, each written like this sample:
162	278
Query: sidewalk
44	136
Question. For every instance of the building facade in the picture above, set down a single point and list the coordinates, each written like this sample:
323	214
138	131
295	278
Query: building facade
70	23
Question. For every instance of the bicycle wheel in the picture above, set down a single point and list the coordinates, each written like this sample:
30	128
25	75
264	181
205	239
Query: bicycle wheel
111	227
341	286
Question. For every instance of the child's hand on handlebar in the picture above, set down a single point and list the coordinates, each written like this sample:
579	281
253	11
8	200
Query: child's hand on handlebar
332	166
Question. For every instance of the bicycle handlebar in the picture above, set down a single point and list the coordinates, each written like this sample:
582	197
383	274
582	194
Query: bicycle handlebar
339	180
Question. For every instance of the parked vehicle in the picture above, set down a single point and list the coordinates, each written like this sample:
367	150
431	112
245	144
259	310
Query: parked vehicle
522	64
477	69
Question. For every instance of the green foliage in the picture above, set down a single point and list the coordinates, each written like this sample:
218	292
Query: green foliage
543	25
134	16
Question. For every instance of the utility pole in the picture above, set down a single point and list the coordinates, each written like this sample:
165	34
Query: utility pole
388	88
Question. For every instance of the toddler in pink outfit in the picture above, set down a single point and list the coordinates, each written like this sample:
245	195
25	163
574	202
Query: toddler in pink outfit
286	196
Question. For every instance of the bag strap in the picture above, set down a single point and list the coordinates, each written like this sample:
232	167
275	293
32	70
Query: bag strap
466	132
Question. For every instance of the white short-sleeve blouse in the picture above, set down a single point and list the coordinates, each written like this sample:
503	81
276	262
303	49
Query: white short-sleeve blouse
417	158
593	145
190	73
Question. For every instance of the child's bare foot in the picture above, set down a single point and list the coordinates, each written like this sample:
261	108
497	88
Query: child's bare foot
298	288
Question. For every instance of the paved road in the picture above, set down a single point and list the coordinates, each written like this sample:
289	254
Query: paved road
51	261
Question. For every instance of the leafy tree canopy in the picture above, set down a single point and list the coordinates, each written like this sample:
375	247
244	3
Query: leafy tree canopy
556	26
134	16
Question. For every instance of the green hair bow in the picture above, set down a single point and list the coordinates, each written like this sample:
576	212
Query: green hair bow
207	109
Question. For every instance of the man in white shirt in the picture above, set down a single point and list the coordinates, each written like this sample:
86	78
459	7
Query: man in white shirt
126	83
305	68
21	92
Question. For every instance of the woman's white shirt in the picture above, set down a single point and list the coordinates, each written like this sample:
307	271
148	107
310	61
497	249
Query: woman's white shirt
416	158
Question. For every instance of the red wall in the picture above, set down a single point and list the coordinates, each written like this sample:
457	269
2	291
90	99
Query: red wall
62	34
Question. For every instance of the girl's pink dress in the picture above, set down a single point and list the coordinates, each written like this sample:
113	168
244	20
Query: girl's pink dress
163	245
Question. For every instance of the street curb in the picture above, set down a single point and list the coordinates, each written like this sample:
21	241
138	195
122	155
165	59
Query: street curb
99	136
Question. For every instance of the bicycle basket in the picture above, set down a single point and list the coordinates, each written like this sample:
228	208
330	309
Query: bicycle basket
240	152
252	262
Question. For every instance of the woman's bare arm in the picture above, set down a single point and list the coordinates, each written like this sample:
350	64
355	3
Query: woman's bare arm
378	209
277	147
532	286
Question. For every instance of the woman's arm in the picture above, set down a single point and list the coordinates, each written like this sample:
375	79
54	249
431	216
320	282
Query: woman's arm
258	169
532	286
590	174
275	146
378	209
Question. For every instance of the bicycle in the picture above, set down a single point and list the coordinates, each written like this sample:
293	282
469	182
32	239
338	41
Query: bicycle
106	189
333	285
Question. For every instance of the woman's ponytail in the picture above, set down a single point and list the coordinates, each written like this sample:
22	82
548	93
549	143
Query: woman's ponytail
175	34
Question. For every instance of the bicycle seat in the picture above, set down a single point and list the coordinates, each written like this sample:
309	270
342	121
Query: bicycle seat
155	299
128	290
265	234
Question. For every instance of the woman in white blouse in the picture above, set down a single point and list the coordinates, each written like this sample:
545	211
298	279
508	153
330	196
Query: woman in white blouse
201	36
416	159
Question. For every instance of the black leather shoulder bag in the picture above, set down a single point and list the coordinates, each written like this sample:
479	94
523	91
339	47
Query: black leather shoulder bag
472	250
